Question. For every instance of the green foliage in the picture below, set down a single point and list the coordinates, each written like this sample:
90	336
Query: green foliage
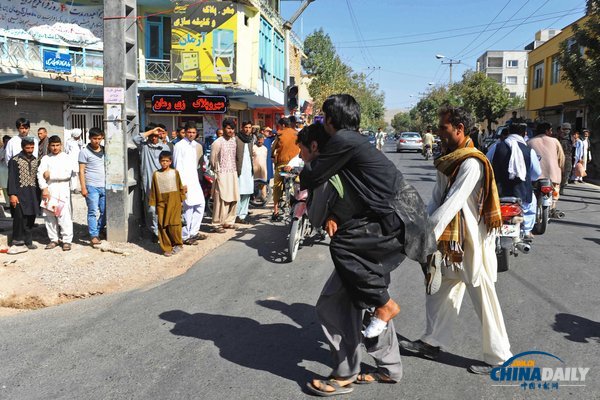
486	98
402	122
331	76
580	60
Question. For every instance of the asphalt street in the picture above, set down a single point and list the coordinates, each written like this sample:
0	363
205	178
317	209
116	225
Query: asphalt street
241	323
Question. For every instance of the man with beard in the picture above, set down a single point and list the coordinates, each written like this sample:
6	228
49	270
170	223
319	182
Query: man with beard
243	158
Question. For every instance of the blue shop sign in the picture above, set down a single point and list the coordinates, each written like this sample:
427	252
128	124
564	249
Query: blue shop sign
57	62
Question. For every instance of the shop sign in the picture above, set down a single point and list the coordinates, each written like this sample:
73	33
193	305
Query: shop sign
188	104
57	62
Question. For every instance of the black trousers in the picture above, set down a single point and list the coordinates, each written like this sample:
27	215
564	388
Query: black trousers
22	225
364	257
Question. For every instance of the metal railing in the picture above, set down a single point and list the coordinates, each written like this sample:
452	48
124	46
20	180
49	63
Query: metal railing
158	70
29	55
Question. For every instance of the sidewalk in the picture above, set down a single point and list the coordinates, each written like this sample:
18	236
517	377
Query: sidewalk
41	278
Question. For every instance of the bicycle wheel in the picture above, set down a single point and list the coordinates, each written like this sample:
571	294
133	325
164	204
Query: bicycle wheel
296	232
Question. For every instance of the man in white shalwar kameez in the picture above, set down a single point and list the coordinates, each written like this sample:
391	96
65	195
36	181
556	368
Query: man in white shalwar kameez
186	156
73	147
54	178
465	201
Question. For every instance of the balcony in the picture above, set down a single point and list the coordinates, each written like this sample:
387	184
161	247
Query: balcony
28	55
158	70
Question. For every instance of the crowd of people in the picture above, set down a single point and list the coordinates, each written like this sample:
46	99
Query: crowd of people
40	174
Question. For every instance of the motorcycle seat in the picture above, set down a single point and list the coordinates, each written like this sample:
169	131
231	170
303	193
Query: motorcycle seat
510	199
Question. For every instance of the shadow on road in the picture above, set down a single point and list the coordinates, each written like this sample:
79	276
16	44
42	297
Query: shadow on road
577	329
444	357
275	348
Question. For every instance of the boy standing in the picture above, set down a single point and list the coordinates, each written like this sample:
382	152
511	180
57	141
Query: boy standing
166	194
13	147
259	161
93	178
22	191
54	176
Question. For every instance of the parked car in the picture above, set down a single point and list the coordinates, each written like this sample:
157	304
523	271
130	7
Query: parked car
409	141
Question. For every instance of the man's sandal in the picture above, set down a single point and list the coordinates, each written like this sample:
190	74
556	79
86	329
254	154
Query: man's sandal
433	273
337	388
373	377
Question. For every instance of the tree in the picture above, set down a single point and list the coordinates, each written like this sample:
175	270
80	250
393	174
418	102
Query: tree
580	67
426	111
332	76
402	122
487	99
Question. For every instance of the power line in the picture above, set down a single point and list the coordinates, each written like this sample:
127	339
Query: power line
480	33
451	30
476	48
440	38
364	49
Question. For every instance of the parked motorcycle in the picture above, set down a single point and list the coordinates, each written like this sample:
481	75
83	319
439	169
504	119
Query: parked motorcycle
542	189
207	181
510	239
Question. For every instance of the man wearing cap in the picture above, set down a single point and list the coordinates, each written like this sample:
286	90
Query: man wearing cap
23	195
564	137
150	144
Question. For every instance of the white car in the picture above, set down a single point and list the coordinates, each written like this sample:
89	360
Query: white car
409	141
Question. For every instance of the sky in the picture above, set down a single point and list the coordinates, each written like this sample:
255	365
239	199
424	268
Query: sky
395	41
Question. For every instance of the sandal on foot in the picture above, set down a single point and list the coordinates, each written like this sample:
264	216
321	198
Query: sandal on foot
218	229
376	377
375	328
433	274
51	245
337	388
66	246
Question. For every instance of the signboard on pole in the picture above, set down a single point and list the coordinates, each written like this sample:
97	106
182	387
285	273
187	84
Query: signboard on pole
204	42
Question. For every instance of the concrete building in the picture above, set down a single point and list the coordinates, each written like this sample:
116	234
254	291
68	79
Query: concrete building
548	96
506	67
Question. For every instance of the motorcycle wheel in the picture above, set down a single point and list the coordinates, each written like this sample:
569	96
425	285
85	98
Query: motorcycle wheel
503	257
296	233
542	221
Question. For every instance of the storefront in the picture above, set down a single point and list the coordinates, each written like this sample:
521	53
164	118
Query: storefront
267	116
206	112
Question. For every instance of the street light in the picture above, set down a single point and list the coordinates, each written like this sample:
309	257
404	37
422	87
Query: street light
450	62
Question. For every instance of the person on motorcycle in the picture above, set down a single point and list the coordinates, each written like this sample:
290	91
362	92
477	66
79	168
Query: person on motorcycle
516	166
428	140
284	148
552	159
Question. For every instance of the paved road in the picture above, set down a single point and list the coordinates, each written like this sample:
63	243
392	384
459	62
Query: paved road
241	323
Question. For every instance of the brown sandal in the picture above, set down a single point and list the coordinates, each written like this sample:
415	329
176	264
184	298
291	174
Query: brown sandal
218	229
66	246
377	377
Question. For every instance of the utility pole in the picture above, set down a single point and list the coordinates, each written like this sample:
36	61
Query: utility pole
287	27
120	110
450	62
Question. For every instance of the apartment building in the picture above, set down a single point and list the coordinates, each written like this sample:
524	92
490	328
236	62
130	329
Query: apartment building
506	67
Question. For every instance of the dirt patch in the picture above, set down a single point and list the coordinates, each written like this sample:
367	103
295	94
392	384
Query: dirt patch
41	278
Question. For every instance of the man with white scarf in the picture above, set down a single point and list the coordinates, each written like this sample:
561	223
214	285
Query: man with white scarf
516	166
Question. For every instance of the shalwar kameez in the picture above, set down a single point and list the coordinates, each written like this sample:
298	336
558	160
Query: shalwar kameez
225	187
186	155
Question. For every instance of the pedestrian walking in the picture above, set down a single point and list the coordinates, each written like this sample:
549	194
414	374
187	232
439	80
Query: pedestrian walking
578	153
380	139
564	137
23	195
54	179
187	158
243	157
465	212
167	194
92	178
259	161
225	186
587	149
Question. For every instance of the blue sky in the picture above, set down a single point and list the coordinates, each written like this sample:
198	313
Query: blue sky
404	69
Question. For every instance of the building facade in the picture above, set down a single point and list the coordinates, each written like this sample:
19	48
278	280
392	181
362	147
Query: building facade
549	97
506	67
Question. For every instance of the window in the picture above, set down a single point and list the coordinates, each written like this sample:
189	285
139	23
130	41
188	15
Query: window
538	75
496	77
271	55
495	62
512	95
512	64
158	37
555	73
511	80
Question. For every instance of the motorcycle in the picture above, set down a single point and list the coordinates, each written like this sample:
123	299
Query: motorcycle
260	198
510	240
542	189
427	152
206	182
